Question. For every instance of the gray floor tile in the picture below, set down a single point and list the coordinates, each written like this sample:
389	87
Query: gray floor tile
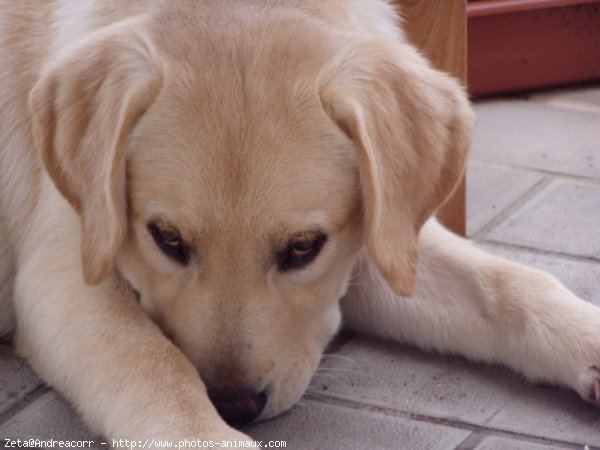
491	188
450	388
17	379
586	160
404	379
581	277
562	218
496	443
315	425
538	136
553	416
48	417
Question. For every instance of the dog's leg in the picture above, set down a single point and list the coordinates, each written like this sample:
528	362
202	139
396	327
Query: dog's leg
486	308
96	346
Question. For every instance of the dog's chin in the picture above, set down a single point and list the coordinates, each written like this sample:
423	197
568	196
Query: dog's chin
284	400
287	389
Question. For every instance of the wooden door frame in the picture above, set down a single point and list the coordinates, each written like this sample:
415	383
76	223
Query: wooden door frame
439	30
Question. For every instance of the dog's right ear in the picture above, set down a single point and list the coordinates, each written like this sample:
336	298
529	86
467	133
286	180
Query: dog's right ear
410	126
83	107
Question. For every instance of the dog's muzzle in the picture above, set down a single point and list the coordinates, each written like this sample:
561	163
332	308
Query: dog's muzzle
240	406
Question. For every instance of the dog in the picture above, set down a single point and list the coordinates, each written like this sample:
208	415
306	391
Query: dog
189	186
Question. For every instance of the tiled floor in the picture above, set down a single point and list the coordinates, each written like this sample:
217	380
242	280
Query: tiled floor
534	195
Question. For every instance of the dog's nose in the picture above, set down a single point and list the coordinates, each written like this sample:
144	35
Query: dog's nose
240	406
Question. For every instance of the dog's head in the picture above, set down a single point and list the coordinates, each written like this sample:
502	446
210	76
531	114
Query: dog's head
232	174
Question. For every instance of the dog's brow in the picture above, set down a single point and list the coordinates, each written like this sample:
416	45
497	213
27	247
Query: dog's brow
313	220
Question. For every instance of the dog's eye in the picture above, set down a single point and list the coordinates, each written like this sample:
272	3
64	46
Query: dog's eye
301	251
168	239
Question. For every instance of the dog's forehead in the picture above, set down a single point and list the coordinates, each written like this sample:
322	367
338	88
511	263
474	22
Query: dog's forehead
238	133
284	165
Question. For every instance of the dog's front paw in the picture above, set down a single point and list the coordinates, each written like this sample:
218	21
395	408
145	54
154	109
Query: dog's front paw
232	435
585	354
569	352
588	385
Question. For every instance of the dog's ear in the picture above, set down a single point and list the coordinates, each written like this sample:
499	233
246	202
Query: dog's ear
83	107
410	125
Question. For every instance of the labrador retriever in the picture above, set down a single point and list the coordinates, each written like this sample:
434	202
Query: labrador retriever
188	187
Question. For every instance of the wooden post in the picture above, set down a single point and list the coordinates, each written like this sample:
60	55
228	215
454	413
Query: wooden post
439	30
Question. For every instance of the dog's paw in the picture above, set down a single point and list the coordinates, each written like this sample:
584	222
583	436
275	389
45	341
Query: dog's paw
232	435
588	385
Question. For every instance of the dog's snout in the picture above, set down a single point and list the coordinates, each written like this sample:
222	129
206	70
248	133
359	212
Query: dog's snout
240	406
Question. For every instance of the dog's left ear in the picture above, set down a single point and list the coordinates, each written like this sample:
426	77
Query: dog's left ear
411	126
83	107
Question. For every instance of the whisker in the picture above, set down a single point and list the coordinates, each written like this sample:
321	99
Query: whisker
330	370
342	357
356	280
337	369
324	375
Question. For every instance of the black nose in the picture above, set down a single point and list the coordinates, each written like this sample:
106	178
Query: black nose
238	407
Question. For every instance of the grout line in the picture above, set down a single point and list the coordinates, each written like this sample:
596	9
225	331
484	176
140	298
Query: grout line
537	251
21	404
505	213
546	97
471	442
566	104
547	172
453	423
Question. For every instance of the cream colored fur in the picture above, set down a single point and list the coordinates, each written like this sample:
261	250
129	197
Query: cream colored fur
242	124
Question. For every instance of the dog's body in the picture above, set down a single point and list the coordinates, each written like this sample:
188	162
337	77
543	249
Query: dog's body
189	186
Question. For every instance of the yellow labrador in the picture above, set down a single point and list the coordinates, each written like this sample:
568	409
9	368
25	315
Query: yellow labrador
189	185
